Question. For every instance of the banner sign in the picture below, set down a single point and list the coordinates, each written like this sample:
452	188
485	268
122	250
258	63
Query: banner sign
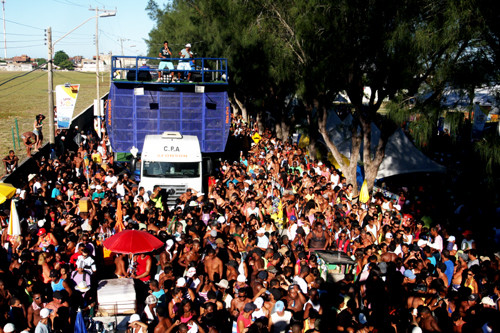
65	104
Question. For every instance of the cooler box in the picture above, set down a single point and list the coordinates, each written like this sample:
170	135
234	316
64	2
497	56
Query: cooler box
84	205
116	296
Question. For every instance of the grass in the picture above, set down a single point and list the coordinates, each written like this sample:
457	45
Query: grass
26	96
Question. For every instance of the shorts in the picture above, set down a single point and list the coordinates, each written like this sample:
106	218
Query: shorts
186	66
35	132
167	64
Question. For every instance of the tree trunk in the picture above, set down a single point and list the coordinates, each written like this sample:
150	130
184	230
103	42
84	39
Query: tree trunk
371	165
348	170
243	109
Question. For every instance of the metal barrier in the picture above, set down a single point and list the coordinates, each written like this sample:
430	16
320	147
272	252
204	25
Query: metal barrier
204	71
18	178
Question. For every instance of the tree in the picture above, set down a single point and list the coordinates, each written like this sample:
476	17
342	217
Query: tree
41	61
314	49
59	57
66	64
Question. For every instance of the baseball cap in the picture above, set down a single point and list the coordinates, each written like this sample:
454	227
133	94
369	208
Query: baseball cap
272	269
44	313
409	274
41	231
188	45
451	239
241	278
151	299
213	233
485	301
279	306
261	231
181	282
134	317
9	328
388	235
259	302
222	284
191	272
250	307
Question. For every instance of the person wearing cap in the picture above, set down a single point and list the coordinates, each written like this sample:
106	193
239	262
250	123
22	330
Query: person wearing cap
245	317
60	308
280	319
135	325
58	283
45	321
185	65
45	239
149	315
467	242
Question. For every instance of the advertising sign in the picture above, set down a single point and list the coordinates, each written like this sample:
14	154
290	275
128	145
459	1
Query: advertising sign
65	102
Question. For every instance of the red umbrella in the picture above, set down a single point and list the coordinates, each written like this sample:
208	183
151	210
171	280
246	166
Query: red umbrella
132	241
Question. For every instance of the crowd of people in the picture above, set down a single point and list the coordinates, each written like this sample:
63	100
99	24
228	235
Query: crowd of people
241	257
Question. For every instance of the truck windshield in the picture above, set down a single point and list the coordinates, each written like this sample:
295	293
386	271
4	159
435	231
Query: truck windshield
171	169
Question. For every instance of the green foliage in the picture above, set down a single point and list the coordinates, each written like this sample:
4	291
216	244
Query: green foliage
66	64
59	57
41	61
489	151
312	49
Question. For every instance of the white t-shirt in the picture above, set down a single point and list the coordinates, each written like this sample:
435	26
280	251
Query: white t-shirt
301	282
262	242
280	323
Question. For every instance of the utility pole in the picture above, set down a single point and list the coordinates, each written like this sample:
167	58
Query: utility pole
121	40
52	138
98	104
4	33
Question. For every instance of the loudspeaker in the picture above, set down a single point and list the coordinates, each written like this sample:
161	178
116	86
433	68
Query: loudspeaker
196	77
142	76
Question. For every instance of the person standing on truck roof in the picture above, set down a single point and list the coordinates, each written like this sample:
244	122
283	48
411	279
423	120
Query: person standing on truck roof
165	53
185	64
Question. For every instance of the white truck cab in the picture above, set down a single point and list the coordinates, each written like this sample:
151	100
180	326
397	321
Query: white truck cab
173	161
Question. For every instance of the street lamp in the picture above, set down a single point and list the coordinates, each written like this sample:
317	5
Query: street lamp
51	45
97	104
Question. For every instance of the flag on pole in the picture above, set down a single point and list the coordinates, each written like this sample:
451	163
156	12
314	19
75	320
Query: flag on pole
14	228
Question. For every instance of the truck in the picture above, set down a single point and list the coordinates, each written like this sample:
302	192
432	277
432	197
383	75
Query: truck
176	127
172	161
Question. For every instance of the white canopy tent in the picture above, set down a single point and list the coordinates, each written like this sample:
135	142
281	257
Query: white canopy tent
401	155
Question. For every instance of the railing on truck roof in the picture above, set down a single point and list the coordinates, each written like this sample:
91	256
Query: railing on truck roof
205	71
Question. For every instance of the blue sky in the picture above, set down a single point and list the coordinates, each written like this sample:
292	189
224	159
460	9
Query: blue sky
25	21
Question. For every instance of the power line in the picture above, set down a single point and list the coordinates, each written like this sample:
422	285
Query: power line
25	25
22	47
14	34
17	76
69	3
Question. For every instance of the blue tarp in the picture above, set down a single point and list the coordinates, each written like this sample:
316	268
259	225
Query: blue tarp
130	117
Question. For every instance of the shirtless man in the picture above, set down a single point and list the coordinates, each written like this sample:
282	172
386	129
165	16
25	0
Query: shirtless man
34	310
295	299
10	161
213	265
389	255
238	303
192	256
77	163
164	321
427	321
29	139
